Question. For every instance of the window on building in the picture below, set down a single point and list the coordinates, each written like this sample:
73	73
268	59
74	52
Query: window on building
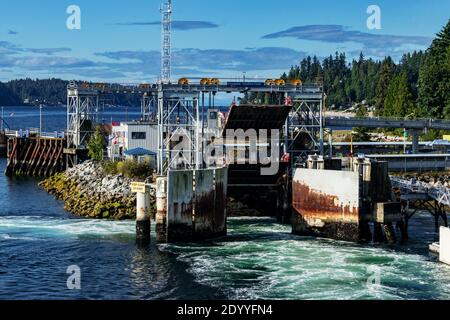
213	115
138	135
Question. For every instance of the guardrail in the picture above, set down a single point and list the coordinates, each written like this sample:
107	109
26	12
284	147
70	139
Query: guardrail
440	194
34	133
376	122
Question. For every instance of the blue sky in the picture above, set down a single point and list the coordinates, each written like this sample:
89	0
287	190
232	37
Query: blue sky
120	40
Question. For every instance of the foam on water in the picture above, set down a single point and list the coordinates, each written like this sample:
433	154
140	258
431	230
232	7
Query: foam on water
262	260
258	260
35	227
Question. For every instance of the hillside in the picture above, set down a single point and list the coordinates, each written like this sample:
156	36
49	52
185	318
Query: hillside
50	92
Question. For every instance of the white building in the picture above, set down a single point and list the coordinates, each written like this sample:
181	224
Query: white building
132	135
128	136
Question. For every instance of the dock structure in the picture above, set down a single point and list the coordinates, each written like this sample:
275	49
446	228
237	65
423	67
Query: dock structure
414	162
415	195
340	204
38	156
180	111
180	108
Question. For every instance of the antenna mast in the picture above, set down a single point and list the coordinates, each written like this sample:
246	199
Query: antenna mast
166	36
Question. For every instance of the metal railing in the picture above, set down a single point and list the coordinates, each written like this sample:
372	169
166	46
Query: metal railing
439	193
34	133
394	122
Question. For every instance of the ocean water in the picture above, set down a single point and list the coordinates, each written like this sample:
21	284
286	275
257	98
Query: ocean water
259	259
55	118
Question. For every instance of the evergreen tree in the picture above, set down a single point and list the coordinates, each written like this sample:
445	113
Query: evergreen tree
384	80
399	100
434	78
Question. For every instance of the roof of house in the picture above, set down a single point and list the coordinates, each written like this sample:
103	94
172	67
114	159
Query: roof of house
139	152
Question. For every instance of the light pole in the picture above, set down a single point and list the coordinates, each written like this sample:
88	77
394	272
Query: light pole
40	120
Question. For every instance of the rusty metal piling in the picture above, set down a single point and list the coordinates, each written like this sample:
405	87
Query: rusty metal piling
161	209
142	218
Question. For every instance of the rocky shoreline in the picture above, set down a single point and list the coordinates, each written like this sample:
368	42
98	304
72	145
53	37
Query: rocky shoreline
88	192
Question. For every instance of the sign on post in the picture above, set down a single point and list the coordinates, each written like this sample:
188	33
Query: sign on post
138	187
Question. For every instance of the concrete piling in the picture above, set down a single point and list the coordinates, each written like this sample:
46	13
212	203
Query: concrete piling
142	218
415	141
444	245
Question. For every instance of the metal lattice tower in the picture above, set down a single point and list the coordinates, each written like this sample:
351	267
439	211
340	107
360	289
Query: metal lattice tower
149	107
179	131
166	37
82	104
305	120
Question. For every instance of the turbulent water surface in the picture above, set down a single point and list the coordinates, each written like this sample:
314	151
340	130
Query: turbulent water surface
258	260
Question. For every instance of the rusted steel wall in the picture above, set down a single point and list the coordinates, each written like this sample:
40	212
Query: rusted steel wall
180	202
326	203
210	203
204	203
196	205
220	201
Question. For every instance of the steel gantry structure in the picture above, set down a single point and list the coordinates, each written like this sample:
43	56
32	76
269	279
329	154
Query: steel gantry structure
82	107
179	110
305	123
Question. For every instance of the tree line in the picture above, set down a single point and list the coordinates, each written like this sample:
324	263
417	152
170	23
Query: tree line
50	92
417	86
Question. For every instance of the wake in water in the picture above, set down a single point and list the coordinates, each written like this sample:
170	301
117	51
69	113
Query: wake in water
259	259
262	260
35	227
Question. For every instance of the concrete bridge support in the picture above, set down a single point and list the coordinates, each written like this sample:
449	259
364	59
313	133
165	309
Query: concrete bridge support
415	141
